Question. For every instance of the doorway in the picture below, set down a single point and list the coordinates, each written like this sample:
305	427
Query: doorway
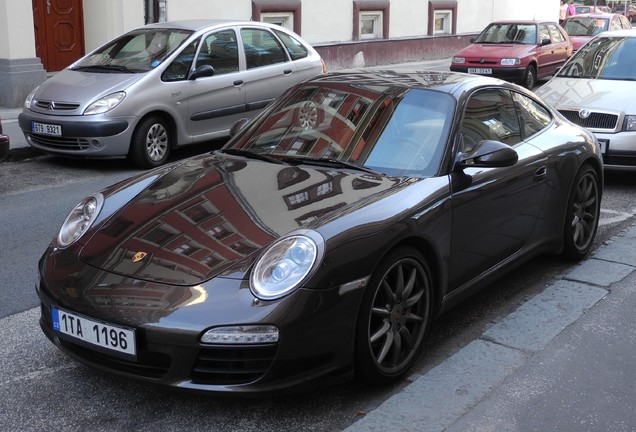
59	32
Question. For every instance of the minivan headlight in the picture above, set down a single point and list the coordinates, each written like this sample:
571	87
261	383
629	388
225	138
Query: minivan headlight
105	104
29	98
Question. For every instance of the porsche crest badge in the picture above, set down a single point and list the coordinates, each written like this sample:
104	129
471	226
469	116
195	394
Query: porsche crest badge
139	256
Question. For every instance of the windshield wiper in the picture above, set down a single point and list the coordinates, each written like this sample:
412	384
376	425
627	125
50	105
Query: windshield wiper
333	163
105	68
251	155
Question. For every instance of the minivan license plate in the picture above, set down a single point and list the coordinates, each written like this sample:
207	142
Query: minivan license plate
112	338
46	129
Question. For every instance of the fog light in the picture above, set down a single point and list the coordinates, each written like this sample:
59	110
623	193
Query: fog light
241	335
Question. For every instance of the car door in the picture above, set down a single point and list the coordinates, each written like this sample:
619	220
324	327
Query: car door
216	102
560	48
495	210
268	69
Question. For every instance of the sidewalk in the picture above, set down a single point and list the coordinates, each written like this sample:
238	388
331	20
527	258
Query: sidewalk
563	361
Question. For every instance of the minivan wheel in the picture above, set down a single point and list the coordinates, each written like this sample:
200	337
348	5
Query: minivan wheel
150	145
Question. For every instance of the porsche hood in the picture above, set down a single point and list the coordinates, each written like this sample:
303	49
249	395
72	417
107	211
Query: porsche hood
214	213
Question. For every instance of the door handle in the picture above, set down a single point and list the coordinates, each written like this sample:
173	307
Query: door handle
287	71
238	83
48	7
541	173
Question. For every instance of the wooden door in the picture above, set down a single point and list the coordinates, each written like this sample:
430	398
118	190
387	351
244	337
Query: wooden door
59	32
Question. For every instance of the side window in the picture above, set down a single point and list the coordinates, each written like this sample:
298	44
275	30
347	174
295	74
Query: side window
544	33
295	49
180	66
261	48
533	116
220	50
489	115
555	34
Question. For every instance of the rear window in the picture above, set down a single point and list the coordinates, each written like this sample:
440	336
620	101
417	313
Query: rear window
295	49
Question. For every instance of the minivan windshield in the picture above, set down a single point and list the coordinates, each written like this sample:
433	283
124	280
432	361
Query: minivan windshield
610	58
138	51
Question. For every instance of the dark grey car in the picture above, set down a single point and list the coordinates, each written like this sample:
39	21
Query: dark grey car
163	86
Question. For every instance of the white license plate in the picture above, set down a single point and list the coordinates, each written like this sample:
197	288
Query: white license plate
46	129
109	337
603	144
482	71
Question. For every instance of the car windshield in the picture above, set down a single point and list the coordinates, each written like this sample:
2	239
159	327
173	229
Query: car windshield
138	51
603	58
508	33
393	131
585	26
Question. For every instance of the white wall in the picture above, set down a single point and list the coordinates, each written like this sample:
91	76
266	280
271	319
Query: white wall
208	9
323	21
105	20
474	15
17	38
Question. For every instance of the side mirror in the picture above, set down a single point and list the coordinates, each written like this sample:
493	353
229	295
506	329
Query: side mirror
489	154
202	71
238	126
545	42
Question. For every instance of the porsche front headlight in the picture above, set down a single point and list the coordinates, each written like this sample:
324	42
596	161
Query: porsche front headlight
105	104
80	220
285	265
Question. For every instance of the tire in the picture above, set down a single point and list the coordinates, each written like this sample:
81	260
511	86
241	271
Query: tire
395	315
530	78
151	143
582	214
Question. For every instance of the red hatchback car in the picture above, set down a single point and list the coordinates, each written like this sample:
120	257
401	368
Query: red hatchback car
517	51
582	28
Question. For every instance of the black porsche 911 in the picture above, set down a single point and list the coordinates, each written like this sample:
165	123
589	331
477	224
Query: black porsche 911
322	240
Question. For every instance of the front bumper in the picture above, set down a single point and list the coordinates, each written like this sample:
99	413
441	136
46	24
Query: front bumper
619	148
315	347
82	136
510	74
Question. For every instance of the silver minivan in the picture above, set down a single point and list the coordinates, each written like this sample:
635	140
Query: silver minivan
164	86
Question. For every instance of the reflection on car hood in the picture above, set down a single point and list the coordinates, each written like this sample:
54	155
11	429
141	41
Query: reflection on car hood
495	51
213	214
599	94
84	87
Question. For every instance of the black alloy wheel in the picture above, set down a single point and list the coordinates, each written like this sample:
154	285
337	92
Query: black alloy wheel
582	214
395	314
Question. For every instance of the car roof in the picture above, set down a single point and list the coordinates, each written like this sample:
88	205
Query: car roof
198	24
630	33
594	15
523	22
454	83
